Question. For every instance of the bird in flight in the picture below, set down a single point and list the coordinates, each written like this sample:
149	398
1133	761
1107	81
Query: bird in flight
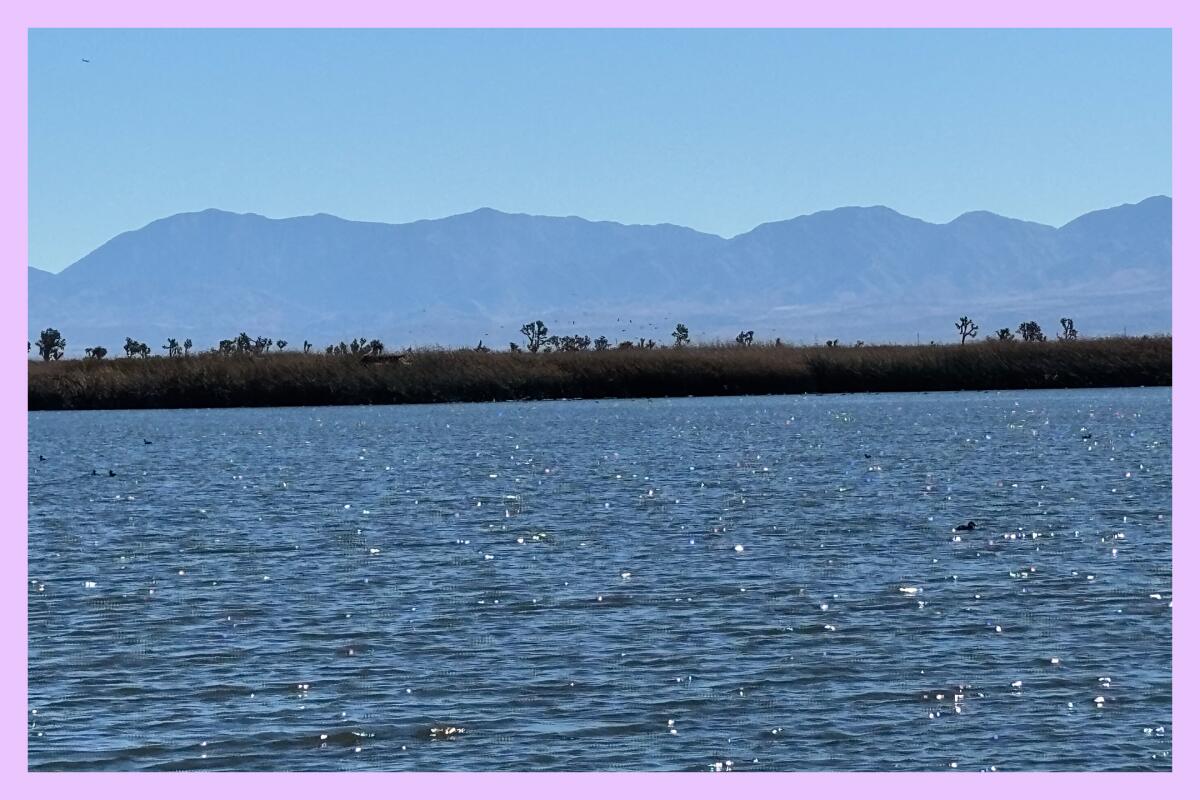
86	60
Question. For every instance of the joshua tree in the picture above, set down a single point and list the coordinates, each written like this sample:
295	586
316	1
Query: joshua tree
570	344
536	333
1031	332
95	353
625	345
281	343
172	347
645	344
262	345
601	343
745	338
1068	329
307	346
966	328
513	347
187	346
860	343
479	348
778	342
51	345
132	347
831	342
1005	335
375	347
681	335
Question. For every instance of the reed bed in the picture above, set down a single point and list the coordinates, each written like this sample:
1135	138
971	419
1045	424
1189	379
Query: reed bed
440	375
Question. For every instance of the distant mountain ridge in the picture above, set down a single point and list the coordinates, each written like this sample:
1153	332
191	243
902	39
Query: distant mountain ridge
849	273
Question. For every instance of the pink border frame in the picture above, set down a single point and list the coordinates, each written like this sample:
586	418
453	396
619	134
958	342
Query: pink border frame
14	24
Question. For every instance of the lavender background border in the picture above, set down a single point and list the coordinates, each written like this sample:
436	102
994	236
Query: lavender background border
14	24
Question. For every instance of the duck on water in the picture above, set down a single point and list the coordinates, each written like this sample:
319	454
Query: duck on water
970	526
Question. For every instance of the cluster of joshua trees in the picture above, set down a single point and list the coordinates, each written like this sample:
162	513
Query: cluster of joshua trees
51	344
1028	331
538	339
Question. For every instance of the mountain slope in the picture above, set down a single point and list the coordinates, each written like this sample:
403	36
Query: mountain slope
848	273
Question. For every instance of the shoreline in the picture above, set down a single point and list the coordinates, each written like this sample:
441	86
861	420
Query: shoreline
211	380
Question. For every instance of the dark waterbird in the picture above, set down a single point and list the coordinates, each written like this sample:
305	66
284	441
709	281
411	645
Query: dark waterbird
146	441
970	526
112	474
41	458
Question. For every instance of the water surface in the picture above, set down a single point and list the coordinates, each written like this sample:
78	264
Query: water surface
748	583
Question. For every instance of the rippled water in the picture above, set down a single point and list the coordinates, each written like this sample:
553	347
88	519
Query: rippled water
755	583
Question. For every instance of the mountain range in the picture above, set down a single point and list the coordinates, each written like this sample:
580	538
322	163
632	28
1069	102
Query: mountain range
850	273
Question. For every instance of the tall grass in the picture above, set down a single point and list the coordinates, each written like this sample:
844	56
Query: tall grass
433	376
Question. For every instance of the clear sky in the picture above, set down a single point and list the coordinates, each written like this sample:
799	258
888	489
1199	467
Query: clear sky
716	130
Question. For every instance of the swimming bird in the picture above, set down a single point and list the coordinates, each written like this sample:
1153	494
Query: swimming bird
112	474
448	730
95	473
146	441
41	458
970	526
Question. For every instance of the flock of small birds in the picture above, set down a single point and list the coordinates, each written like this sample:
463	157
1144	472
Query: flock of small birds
95	472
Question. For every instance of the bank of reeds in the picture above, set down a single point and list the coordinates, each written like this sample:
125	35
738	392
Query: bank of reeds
435	376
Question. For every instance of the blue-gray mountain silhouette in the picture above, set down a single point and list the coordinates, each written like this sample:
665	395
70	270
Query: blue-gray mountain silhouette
849	273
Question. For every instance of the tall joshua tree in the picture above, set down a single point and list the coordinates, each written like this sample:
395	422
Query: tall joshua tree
680	334
1031	332
966	329
1069	333
51	345
536	332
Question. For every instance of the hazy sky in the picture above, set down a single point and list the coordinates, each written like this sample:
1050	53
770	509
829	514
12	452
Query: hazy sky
716	130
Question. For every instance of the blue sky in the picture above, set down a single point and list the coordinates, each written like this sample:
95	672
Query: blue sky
716	130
